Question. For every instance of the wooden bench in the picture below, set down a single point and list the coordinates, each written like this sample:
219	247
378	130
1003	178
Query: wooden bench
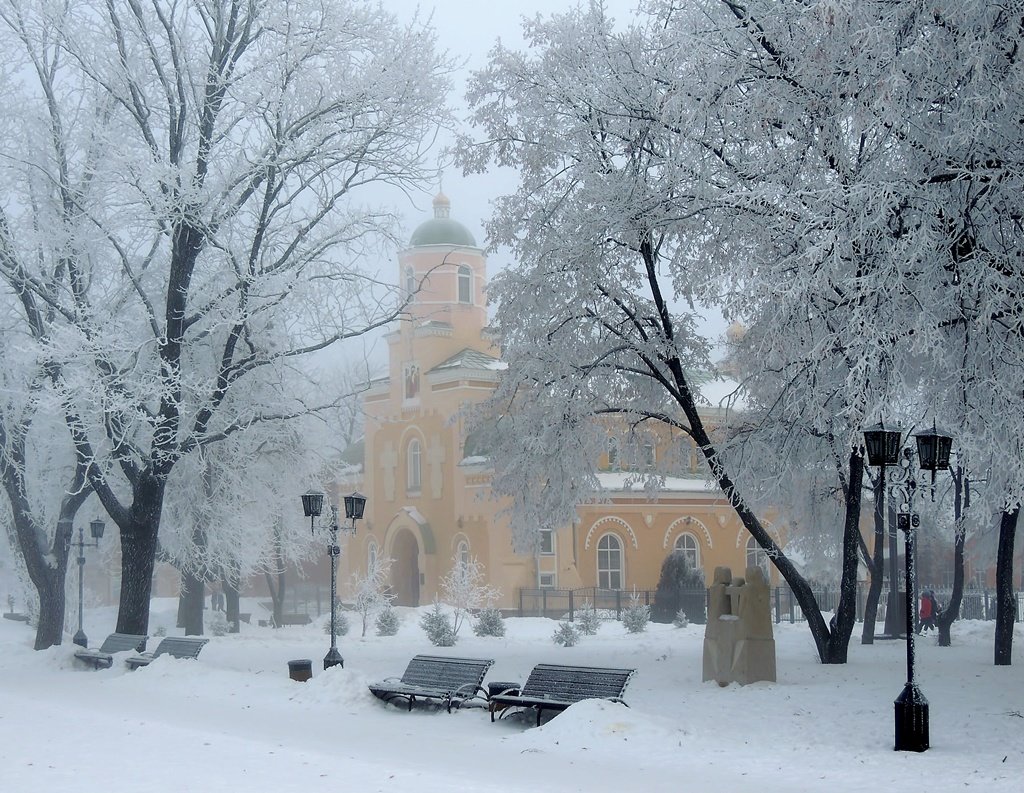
556	687
432	677
103	658
174	646
294	619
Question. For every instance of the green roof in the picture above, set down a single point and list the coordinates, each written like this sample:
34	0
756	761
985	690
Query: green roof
442	231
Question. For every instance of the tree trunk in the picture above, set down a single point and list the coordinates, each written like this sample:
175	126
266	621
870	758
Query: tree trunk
231	603
1006	606
846	614
138	559
277	596
52	604
877	563
961	502
192	600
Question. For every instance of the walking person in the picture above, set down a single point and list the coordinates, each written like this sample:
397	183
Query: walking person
929	609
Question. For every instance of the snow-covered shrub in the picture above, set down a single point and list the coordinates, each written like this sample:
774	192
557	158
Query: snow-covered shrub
218	624
636	615
438	627
566	634
681	620
489	622
588	619
340	624
465	589
387	621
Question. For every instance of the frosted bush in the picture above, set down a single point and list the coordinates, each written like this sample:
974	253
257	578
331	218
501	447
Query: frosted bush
218	624
681	620
387	621
636	615
566	634
589	619
340	625
438	627
489	623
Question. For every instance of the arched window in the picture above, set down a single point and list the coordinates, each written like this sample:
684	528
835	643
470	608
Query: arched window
462	553
371	557
613	454
413	480
410	282
756	557
609	562
465	284
687	543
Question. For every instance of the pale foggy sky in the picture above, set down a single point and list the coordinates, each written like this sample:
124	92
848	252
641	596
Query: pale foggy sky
468	29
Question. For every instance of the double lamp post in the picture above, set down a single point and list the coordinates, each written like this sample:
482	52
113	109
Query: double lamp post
313	506
885	449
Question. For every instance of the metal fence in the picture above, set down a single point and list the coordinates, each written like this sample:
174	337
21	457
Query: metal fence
565	603
976	604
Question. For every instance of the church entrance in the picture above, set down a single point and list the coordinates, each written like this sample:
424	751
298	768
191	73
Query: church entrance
405	569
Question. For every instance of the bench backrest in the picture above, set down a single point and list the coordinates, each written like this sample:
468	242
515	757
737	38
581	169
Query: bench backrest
120	642
436	671
180	646
576	683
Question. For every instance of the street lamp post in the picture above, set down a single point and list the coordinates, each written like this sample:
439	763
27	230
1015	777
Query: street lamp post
96	528
933	449
883	449
312	506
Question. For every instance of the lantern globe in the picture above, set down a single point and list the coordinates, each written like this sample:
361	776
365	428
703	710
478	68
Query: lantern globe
96	528
312	503
355	504
934	447
882	444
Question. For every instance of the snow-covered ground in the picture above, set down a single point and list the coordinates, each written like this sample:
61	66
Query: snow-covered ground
234	721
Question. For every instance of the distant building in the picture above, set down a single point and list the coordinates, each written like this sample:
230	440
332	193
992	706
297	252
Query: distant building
428	488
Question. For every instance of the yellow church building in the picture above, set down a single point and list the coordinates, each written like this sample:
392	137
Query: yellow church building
428	495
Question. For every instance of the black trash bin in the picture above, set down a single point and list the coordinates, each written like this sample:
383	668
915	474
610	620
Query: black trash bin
300	670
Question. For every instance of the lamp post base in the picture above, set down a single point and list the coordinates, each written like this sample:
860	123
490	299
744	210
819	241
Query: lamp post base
911	708
80	638
333	658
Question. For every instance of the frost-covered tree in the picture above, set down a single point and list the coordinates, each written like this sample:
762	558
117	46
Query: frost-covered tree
841	175
465	589
611	230
185	197
371	591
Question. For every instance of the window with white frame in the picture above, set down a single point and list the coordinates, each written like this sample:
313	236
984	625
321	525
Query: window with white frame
546	580
648	456
371	556
462	553
609	562
411	382
413	471
410	282
465	284
546	544
756	557
687	543
613	454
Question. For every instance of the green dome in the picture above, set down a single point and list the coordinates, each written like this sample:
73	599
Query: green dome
441	229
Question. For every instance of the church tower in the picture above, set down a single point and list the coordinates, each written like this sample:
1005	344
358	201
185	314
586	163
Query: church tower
419	509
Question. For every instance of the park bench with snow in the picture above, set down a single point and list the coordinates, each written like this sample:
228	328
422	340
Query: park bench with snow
451	681
556	687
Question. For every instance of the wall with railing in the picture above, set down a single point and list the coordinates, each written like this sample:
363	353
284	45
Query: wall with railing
976	604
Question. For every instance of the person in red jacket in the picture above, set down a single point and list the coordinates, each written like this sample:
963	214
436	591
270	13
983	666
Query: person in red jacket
929	611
